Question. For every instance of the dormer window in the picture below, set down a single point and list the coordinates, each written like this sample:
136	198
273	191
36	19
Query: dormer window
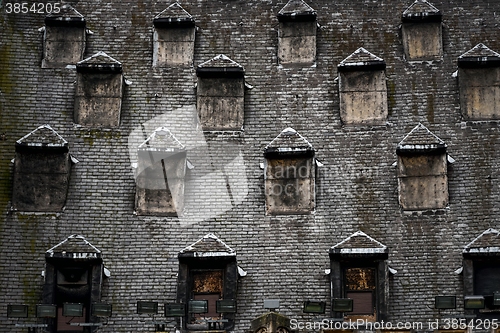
221	94
41	171
160	175
478	73
297	33
99	91
74	274
208	274
64	38
422	171
363	89
359	271
289	174
173	37
422	32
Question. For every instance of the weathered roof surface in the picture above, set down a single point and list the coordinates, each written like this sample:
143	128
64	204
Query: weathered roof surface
208	246
479	55
359	243
289	141
487	242
420	138
75	246
99	62
421	10
43	136
162	139
361	58
296	9
173	15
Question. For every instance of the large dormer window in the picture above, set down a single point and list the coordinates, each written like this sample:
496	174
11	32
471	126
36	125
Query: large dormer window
99	91
479	84
173	37
41	171
221	94
422	171
297	33
64	38
422	32
289	174
363	89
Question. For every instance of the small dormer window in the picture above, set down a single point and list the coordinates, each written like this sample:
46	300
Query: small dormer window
221	94
160	175
64	38
422	171
41	171
297	33
478	73
99	91
422	32
363	89
74	274
289	174
173	37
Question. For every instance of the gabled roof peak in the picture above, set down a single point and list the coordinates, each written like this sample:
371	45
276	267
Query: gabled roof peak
42	136
361	59
66	16
74	247
420	138
173	16
162	138
297	10
486	242
479	56
421	10
99	62
220	60
289	142
220	66
208	246
67	11
359	243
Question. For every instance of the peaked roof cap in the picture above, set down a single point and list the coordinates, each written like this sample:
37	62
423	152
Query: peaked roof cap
297	10
421	10
99	62
420	139
220	66
208	246
74	247
288	142
67	16
486	243
162	139
42	137
358	244
361	59
479	56
173	16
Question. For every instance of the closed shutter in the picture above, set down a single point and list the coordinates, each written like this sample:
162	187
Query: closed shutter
362	302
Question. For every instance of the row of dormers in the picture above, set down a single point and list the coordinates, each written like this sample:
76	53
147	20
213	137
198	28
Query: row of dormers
42	168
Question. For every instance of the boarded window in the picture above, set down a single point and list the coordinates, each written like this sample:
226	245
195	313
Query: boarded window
208	285
64	38
422	32
363	89
173	37
220	94
479	83
99	91
297	33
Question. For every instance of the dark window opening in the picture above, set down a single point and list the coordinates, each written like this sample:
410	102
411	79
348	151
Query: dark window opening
208	285
487	281
360	286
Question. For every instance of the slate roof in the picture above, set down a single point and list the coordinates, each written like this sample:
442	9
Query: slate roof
289	142
361	59
421	10
479	55
207	246
359	243
420	138
173	15
76	247
487	242
100	62
42	136
297	10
